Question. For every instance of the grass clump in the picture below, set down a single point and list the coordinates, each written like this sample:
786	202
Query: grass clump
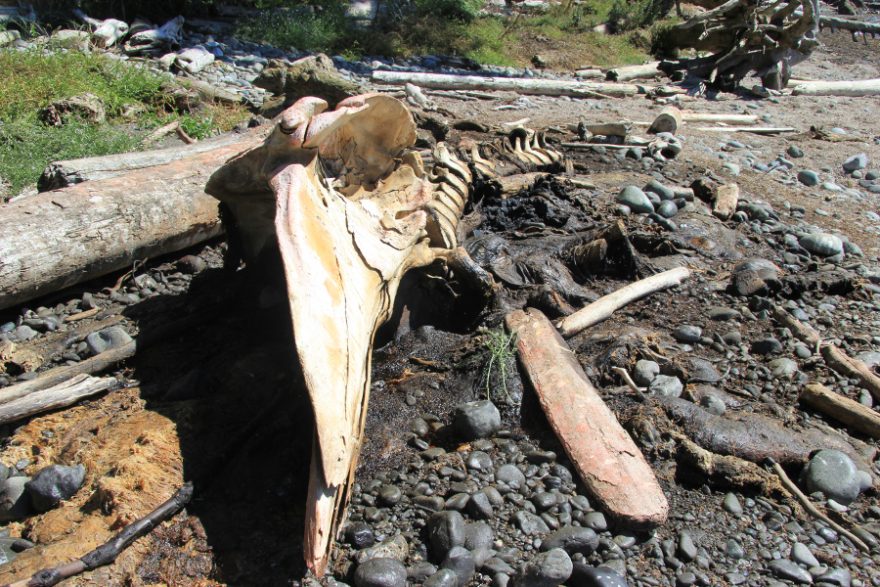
32	80
500	351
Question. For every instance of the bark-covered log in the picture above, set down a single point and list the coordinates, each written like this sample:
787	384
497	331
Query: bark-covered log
60	174
56	239
544	87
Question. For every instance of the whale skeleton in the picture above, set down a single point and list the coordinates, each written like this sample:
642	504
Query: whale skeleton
348	202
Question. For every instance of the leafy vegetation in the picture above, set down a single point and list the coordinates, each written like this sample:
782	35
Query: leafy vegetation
134	100
500	352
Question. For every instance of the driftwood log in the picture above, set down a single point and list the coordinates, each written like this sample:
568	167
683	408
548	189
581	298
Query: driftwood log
744	36
855	415
857	88
94	228
58	396
543	87
60	174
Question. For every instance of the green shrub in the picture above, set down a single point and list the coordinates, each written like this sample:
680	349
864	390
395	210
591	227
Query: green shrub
627	15
305	28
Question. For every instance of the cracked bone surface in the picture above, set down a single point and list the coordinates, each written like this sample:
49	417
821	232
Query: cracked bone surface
349	205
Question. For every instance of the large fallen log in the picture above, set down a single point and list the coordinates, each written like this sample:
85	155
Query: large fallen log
605	457
57	239
60	174
846	24
58	396
855	89
543	87
633	72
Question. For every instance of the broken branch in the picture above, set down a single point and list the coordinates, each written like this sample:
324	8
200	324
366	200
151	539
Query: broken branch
843	409
58	396
110	550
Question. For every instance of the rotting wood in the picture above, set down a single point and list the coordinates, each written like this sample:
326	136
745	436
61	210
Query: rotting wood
834	357
58	396
60	174
545	87
726	199
210	91
855	415
97	227
110	550
852	88
605	306
606	458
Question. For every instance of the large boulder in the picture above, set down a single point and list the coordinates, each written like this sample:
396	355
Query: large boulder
310	76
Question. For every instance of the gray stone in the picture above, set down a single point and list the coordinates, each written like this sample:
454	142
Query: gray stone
586	576
479	461
548	569
442	578
191	264
478	535
822	244
460	561
53	484
667	209
511	476
595	521
655	187
635	199
754	275
479	506
666	386
833	473
529	523
732	505
445	531
420	571
786	569
24	333
395	547
645	372
360	535
808	177
687	334
687	550
390	495
479	419
794	152
855	163
572	539
783	368
735	550
766	346
14	502
701	371
800	553
839	576
380	572
107	339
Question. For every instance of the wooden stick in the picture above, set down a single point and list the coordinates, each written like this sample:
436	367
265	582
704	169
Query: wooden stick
605	306
810	507
161	132
59	396
669	120
834	357
110	550
758	130
624	374
633	72
850	412
606	458
740	119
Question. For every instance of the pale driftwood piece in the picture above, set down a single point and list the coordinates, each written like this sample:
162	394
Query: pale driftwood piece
98	227
543	87
59	375
605	306
634	72
726	199
855	88
590	73
758	130
106	32
606	458
159	133
606	145
855	415
110	550
833	356
669	120
810	507
60	174
738	119
512	184
609	129
58	396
